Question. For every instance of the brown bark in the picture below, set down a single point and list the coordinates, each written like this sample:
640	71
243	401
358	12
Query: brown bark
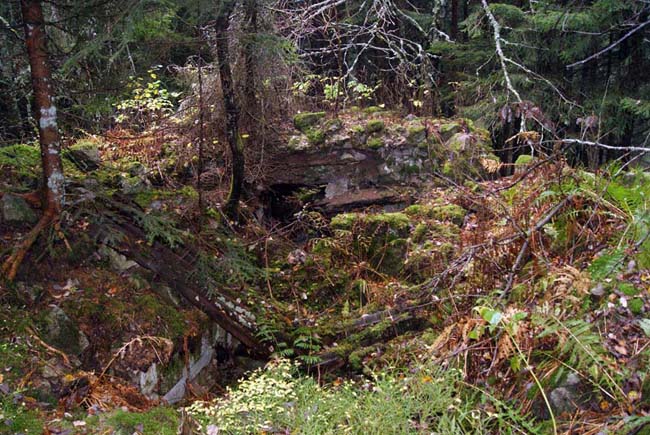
232	109
454	19
50	142
249	56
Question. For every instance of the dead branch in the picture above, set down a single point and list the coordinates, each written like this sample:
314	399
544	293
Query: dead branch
524	248
609	47
63	356
11	264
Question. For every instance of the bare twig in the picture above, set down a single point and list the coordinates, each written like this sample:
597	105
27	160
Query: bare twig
524	248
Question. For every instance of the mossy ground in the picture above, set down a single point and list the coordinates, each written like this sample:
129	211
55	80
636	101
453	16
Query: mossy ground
436	271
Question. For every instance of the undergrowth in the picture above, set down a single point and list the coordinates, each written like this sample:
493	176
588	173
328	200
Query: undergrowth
422	400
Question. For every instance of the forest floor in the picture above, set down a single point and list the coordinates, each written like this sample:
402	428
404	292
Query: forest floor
515	304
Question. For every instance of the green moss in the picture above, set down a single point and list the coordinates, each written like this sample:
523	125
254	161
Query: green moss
628	289
356	357
333	125
134	168
379	238
358	129
396	221
416	210
170	321
79	158
389	258
344	221
146	197
374	126
416	134
21	156
445	230
524	159
372	109
159	420
375	143
106	176
636	305
419	232
448	169
449	212
23	162
447	130
295	143
315	136
304	121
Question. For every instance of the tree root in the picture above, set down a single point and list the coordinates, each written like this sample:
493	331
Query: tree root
11	264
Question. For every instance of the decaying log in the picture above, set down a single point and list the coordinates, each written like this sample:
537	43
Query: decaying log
172	269
402	316
175	271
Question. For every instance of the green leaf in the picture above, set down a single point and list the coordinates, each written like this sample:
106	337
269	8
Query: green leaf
493	317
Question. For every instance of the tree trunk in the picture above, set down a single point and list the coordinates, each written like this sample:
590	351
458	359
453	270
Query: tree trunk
44	107
231	107
249	57
50	142
454	19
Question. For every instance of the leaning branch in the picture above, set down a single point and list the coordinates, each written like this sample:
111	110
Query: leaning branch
496	28
610	46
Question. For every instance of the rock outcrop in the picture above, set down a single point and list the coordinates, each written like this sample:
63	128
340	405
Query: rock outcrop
363	157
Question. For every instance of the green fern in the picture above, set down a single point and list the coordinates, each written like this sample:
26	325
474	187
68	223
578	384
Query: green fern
159	227
581	349
607	264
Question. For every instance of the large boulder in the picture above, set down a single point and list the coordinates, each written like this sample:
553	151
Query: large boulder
15	210
63	333
85	155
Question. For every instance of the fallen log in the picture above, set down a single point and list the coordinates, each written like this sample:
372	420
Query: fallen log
398	321
175	271
171	269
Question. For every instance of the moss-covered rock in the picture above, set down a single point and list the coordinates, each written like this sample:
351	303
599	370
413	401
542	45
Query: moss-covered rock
149	197
449	129
15	210
84	154
375	143
333	125
304	121
62	332
378	238
397	222
372	109
442	212
416	134
315	136
374	126
524	159
21	162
